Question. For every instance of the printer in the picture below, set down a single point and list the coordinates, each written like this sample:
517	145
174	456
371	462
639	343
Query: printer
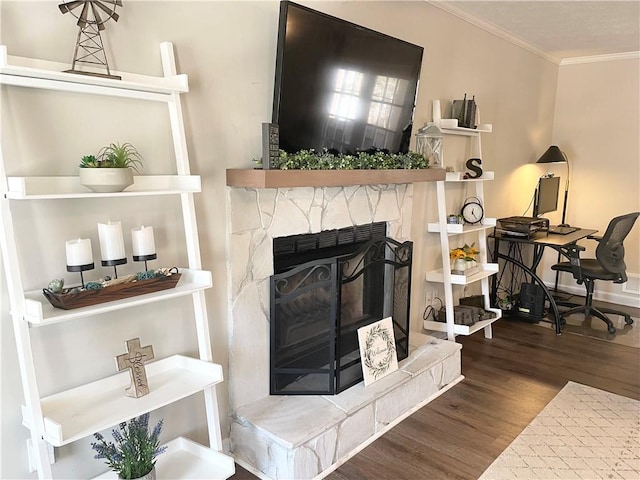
524	227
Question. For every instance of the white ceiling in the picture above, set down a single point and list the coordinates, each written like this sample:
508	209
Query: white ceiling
559	30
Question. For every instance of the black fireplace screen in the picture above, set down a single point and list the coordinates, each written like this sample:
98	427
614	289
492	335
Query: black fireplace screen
317	308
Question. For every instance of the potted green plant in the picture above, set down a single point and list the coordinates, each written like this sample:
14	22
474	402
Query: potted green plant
134	451
112	169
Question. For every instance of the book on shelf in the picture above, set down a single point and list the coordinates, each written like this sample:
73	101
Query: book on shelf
467	271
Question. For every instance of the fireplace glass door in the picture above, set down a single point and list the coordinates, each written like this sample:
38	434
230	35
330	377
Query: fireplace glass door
317	308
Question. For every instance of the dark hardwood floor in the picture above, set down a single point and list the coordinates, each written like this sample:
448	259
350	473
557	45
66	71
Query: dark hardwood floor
508	381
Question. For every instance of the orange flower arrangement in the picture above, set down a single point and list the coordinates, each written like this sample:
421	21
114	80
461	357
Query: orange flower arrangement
468	252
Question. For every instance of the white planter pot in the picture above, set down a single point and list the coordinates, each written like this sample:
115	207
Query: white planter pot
106	180
149	476
459	265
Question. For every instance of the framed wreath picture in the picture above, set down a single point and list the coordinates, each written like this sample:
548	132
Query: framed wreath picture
377	350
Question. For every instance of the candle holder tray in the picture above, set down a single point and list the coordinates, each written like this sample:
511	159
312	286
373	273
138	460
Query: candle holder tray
69	299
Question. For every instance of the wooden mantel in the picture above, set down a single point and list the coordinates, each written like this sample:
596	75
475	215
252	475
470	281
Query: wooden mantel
258	178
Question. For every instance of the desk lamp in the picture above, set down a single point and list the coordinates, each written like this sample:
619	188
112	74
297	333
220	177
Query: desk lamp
555	155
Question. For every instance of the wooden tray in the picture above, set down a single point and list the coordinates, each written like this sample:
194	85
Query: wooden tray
69	301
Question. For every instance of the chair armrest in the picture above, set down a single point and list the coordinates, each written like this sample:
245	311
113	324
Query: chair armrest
573	252
597	238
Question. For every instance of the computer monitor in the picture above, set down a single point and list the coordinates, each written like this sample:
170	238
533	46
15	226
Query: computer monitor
546	196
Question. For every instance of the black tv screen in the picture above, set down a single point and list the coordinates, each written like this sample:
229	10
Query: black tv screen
342	87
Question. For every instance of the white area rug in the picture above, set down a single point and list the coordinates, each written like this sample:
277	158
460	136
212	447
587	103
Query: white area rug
583	433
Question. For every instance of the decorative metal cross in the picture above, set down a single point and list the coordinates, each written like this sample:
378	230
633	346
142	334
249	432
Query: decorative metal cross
134	360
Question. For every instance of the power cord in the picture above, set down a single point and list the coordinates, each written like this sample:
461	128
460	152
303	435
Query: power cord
508	291
430	311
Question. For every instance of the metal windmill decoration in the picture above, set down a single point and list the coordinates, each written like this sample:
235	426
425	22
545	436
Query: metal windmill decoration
91	19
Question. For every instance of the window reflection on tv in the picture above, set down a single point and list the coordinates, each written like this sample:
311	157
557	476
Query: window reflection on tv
342	87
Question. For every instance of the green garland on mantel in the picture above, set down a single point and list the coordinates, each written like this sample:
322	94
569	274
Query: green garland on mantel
312	160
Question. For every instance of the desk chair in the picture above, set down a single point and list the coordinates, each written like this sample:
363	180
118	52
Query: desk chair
608	265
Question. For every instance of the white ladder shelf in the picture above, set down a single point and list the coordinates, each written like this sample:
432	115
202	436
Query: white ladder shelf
447	231
67	416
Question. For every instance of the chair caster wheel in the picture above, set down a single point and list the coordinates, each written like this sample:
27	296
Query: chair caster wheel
611	329
628	320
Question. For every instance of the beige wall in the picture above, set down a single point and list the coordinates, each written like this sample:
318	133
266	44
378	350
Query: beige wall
228	50
597	125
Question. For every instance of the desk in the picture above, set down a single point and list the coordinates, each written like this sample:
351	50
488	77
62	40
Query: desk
539	241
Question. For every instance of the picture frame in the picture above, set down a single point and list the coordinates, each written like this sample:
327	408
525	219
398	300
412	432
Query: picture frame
377	350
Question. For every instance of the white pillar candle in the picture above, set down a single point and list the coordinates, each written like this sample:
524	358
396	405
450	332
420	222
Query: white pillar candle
437	115
79	252
111	241
143	242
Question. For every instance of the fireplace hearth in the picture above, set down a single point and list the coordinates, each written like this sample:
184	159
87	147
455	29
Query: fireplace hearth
356	276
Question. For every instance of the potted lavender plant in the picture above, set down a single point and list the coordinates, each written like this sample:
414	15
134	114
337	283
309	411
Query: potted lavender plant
133	454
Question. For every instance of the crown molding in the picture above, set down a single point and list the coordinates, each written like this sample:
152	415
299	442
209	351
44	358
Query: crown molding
493	29
600	58
509	37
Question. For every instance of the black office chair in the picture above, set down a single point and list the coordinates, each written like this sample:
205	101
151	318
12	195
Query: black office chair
608	265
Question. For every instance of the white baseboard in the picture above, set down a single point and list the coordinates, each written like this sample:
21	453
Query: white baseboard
627	293
632	286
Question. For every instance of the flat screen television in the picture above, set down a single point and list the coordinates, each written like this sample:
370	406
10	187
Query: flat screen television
342	87
546	199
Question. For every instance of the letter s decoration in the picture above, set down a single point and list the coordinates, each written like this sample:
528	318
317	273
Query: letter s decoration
474	164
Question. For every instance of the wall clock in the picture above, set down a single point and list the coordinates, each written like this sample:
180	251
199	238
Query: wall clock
472	210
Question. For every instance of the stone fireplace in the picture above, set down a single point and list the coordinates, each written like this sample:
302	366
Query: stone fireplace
258	216
284	436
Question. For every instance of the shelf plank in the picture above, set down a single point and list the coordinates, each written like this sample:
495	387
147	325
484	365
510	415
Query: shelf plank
51	188
259	178
463	329
189	460
486	270
468	132
186	459
27	72
89	408
459	177
458	228
39	312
